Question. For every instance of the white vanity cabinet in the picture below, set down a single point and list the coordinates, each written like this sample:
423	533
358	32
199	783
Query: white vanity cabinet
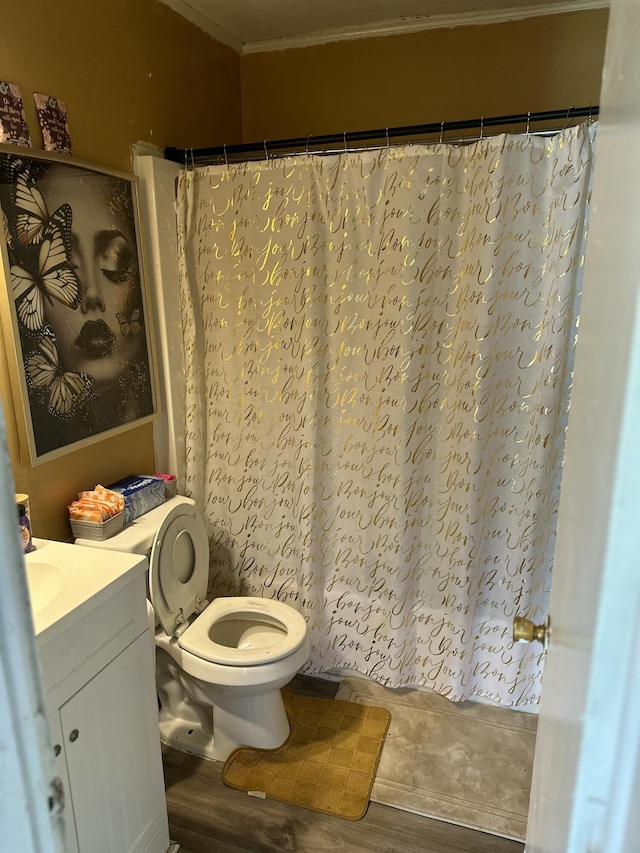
100	695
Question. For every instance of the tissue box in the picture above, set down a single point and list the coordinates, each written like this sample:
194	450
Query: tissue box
170	485
140	494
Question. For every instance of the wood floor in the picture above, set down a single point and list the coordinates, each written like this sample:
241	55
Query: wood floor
205	816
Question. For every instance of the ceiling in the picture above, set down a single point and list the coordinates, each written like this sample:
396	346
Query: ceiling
251	26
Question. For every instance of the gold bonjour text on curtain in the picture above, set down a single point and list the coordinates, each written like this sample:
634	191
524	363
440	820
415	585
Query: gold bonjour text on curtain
379	351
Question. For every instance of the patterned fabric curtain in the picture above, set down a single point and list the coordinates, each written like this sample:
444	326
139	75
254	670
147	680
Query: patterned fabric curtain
378	356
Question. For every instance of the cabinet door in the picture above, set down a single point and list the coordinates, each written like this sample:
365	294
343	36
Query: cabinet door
113	755
57	739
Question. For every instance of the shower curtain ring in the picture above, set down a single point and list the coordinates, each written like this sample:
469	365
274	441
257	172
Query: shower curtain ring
308	144
528	123
226	162
344	135
266	155
193	162
441	132
482	128
568	117
387	135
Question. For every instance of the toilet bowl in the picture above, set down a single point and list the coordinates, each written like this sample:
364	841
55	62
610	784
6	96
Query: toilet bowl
219	665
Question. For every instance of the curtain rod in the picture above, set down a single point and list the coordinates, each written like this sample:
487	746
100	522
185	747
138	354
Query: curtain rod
303	144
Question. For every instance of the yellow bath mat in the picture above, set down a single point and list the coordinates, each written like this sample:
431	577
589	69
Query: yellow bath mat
328	763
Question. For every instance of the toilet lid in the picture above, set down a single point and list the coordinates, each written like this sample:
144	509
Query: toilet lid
179	566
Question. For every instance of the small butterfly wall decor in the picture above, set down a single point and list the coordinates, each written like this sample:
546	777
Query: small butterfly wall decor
64	388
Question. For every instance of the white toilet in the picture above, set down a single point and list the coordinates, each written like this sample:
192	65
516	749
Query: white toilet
219	665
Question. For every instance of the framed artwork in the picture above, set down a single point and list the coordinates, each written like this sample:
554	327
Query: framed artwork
76	311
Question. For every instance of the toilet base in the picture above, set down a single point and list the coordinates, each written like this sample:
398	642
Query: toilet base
256	721
243	707
185	737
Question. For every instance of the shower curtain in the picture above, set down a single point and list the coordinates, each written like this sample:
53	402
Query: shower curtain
378	354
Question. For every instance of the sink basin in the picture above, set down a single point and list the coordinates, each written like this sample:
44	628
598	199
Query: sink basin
45	582
67	582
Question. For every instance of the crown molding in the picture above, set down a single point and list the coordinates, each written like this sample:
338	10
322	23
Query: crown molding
204	23
414	25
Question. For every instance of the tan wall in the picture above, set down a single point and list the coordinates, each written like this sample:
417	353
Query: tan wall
531	65
128	71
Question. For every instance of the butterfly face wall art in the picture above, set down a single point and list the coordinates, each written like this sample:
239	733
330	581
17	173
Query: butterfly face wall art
75	301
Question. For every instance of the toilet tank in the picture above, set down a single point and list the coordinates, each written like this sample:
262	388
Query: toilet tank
137	537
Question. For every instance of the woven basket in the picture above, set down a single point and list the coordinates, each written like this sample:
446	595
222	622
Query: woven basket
95	530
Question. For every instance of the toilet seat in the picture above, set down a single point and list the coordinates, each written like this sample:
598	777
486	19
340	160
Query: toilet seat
179	567
245	631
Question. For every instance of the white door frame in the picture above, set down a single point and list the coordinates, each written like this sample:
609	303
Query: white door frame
587	764
27	768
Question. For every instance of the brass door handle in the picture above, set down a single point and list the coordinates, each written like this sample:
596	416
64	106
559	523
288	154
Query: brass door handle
525	631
